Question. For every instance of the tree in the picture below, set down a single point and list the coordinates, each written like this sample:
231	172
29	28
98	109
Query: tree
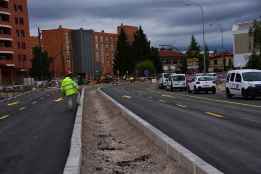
155	58
121	62
255	34
40	64
146	65
141	46
192	52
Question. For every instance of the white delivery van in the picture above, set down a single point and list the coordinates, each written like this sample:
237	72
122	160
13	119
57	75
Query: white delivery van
163	80
245	83
177	81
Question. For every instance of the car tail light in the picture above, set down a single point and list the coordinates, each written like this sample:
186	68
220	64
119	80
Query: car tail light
198	83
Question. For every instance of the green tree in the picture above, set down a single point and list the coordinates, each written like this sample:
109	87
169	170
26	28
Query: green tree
155	58
192	52
141	46
146	65
40	64
122	61
255	34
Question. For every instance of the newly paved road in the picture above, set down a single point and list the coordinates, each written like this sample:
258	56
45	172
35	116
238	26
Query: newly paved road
35	132
225	133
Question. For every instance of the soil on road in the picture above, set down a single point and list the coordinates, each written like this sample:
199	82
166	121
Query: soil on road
112	146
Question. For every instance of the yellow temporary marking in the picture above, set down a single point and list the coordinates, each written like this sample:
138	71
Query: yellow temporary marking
22	108
13	103
220	101
182	106
215	115
4	117
126	97
58	100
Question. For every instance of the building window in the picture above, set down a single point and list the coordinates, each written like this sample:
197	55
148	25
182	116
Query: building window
22	33
18	45
16	20
23	45
21	21
215	62
20	8
15	8
17	33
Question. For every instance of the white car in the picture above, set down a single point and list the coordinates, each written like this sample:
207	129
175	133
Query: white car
245	83
202	83
176	81
163	80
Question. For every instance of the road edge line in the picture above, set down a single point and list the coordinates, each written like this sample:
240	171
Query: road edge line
187	160
73	163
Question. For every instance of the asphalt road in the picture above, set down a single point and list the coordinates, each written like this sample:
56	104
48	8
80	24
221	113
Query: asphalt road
35	132
225	133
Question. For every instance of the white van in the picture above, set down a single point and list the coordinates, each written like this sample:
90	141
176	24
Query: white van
163	80
245	83
176	81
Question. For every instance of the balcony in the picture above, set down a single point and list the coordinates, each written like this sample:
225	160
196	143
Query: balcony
4	6
4	18
5	32
6	57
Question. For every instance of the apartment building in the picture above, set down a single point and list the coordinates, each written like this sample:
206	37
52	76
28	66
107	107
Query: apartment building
105	46
129	31
15	49
242	44
57	43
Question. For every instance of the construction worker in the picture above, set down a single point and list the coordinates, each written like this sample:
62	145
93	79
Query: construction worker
70	90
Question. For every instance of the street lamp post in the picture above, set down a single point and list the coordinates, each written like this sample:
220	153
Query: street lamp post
203	31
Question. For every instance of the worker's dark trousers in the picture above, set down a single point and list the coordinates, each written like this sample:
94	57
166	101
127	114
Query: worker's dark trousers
71	102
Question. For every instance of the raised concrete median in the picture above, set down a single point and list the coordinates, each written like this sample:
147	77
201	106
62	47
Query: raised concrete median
73	164
190	162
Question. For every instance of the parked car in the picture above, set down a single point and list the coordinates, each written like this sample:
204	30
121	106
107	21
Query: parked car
202	83
163	79
176	81
245	83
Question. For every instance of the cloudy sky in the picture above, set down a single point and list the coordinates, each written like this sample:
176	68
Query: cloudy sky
164	21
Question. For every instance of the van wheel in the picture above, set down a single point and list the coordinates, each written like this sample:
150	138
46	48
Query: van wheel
228	94
244	94
214	91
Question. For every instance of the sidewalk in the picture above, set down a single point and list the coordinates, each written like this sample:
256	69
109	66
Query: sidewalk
112	146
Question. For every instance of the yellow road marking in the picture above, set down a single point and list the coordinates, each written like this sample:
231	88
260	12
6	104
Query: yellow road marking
4	117
126	97
58	100
215	115
220	101
182	106
13	103
22	108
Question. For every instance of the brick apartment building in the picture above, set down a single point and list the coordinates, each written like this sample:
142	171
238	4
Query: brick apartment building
57	42
171	60
15	49
105	46
84	52
129	31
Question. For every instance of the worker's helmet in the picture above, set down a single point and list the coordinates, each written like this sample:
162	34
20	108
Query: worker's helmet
68	73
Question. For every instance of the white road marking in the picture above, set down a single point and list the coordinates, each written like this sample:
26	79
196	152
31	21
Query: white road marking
34	102
59	99
182	106
22	108
168	96
4	117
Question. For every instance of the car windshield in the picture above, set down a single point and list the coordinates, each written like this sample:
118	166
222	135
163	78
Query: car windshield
252	76
166	75
178	78
205	78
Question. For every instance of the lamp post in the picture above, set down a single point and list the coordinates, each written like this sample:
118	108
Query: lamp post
203	29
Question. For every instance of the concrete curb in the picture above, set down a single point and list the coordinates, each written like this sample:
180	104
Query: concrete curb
73	164
188	161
